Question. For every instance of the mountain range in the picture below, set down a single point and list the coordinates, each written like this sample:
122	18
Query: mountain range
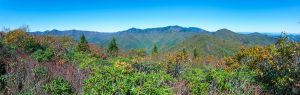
223	42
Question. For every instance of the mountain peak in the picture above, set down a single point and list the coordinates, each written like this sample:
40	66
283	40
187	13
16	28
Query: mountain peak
255	33
54	30
177	28
224	30
174	28
133	29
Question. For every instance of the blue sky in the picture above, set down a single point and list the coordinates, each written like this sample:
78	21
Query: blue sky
117	15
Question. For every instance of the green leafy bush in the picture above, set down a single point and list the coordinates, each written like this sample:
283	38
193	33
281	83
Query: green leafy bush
113	49
219	81
151	83
137	52
2	81
109	80
197	81
31	45
43	55
40	71
82	46
27	92
3	55
85	60
58	86
148	67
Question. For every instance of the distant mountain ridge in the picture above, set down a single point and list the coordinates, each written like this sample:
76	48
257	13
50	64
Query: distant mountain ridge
222	43
169	29
169	38
132	38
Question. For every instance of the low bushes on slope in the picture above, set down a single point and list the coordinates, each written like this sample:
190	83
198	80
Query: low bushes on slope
43	55
278	66
58	86
218	81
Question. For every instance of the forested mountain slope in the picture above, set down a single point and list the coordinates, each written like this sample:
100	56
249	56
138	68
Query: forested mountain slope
222	42
171	38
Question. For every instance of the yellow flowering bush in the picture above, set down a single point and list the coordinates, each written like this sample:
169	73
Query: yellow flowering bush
277	66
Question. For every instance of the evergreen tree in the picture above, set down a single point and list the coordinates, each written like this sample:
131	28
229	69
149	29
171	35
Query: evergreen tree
154	50
83	44
184	54
113	48
195	53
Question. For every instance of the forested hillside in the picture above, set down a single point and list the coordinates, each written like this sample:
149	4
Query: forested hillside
222	42
134	38
171	39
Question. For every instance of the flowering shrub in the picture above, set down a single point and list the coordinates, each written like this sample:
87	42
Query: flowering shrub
277	65
16	38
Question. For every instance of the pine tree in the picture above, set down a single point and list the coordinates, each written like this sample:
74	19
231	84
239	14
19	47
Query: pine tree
195	53
83	44
154	50
113	48
184	54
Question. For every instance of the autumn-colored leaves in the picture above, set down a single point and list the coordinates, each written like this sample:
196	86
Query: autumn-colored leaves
277	65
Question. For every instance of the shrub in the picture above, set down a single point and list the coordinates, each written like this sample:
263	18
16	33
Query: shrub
2	81
113	80
177	63
85	60
148	67
154	50
152	83
197	81
19	38
113	48
218	81
31	45
138	52
40	71
2	75
43	55
26	93
106	80
277	65
3	55
83	45
58	86
16	38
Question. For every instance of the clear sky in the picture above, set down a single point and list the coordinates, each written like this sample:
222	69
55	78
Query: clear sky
117	15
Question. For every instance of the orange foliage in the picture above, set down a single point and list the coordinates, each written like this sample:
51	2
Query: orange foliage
255	55
57	43
96	50
208	61
125	65
16	37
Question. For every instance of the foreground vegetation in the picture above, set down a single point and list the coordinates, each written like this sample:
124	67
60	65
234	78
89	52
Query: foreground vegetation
35	65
